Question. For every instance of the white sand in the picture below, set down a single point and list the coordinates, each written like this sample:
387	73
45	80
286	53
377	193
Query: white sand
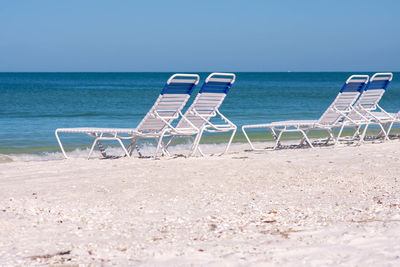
338	206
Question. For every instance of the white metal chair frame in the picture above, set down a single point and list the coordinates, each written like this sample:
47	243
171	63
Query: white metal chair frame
303	127
163	122
168	131
369	112
195	132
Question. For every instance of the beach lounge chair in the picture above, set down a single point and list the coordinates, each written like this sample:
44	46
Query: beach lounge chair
366	111
205	107
329	120
155	123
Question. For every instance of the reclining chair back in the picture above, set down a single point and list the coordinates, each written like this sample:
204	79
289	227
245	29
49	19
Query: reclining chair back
208	100
371	95
343	102
170	102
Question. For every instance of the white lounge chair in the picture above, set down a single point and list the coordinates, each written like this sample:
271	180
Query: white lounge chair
329	120
156	122
205	107
366	111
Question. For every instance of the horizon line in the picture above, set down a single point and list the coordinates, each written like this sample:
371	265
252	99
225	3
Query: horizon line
195	71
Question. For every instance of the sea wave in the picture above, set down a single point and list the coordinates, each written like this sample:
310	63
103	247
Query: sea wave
111	152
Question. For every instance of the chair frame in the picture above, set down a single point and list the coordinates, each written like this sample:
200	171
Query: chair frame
368	115
304	127
195	132
115	134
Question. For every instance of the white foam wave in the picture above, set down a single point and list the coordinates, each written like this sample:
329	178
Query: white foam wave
45	156
146	150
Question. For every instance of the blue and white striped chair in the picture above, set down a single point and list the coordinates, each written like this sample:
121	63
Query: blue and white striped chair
205	107
330	119
366	111
156	122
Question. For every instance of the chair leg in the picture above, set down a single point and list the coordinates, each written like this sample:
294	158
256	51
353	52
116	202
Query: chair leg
169	142
306	137
160	142
384	133
200	151
166	145
356	132
92	148
390	128
164	150
273	133
247	138
331	136
303	139
123	148
339	135
328	138
132	146
381	132
193	145
230	141
362	137
60	144
278	139
196	143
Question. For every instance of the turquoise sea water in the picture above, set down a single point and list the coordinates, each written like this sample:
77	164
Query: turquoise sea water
33	105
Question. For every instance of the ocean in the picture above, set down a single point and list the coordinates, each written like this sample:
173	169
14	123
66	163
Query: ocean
33	105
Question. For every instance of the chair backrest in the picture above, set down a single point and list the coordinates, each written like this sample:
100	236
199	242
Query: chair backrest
171	100
349	93
209	98
374	90
371	95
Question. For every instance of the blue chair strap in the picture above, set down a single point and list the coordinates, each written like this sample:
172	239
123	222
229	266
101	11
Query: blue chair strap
216	87
377	84
181	83
353	87
178	88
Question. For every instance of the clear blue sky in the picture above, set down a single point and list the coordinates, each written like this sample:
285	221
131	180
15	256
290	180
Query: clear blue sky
263	35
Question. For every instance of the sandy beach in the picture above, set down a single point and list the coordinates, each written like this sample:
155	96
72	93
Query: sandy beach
131	80
323	206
